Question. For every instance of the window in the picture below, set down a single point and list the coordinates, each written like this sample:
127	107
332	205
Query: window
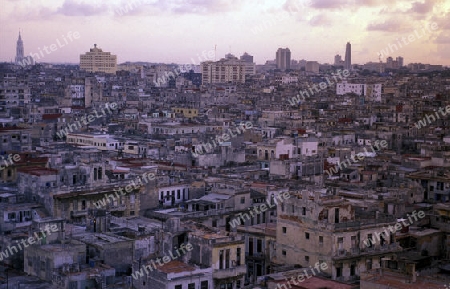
258	246
303	211
238	284
238	257
221	259
227	259
353	240
283	252
243	200
204	285
306	236
340	242
320	240
214	223
191	286
178	286
338	271
284	230
307	258
369	240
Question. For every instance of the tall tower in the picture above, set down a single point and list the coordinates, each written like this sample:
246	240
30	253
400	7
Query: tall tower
348	56
19	50
283	59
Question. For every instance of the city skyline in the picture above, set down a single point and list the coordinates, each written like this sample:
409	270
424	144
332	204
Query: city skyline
152	31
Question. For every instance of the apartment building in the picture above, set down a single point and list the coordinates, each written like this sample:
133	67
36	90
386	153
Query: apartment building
318	227
223	253
176	275
372	91
100	141
98	61
223	71
16	139
15	92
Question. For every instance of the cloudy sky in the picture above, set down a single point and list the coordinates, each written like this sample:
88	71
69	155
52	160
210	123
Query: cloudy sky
180	30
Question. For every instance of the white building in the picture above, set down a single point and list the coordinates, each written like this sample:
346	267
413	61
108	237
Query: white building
103	142
223	71
369	90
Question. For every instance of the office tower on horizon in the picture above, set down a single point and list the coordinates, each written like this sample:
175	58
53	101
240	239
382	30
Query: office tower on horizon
250	66
283	59
348	56
98	61
246	57
399	61
338	60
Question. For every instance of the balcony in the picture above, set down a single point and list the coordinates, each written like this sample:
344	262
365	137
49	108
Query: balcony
116	208
230	272
255	256
79	213
386	248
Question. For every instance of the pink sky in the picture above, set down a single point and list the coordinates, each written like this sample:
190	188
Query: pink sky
178	30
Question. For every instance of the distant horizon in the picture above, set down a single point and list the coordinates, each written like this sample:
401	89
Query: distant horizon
172	63
176	31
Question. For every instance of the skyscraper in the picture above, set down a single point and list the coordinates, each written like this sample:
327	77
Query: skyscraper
250	66
283	58
98	61
19	50
337	60
399	61
247	57
348	56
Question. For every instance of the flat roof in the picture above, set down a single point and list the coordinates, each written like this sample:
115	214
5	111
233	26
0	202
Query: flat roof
175	266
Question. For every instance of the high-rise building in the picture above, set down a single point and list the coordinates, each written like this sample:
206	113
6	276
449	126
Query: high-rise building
98	61
223	71
250	66
19	50
247	57
283	59
338	60
389	62
399	61
348	56
312	66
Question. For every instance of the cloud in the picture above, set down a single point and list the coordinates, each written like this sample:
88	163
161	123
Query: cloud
329	4
76	8
319	20
348	4
443	38
422	8
202	6
391	25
